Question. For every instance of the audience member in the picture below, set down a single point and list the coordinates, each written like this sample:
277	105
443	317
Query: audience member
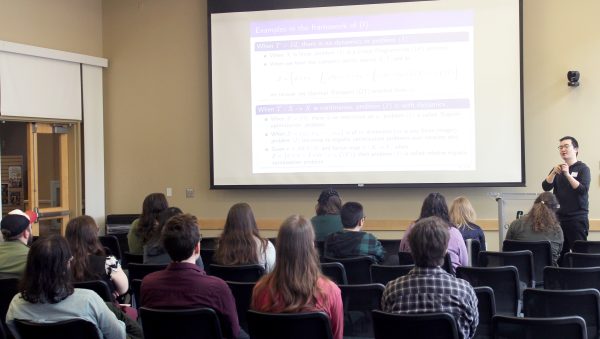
154	251
142	227
428	288
540	223
328	218
297	284
185	285
47	294
352	241
16	231
435	205
463	216
240	243
90	261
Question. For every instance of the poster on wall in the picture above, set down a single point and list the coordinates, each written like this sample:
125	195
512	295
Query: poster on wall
15	198
15	177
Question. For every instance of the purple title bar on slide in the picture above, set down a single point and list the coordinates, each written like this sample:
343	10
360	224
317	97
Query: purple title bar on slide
336	107
395	21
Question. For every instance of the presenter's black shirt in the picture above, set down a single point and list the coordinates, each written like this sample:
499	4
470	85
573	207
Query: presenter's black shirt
574	203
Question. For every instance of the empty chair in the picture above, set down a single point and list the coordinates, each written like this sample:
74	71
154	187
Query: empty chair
585	303
405	258
139	271
486	306
473	248
503	280
546	328
335	271
242	293
563	278
8	289
391	248
207	257
414	326
181	324
99	286
111	242
581	260
382	274
359	301
66	329
583	246
357	268
240	273
542	255
522	260
313	325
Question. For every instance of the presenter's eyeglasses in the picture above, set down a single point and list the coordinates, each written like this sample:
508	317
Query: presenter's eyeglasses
566	146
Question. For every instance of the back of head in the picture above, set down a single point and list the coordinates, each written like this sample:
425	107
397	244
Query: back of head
435	205
543	212
82	236
163	217
329	202
15	223
153	205
180	235
47	276
237	244
297	269
462	212
351	214
428	240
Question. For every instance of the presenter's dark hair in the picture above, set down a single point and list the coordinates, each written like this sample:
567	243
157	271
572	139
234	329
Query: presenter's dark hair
428	240
351	214
180	236
573	142
152	206
47	277
329	202
435	205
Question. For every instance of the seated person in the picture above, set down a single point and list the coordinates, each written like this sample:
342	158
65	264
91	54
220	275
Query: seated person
16	231
297	284
328	218
142	227
183	284
427	287
463	216
352	241
540	223
46	294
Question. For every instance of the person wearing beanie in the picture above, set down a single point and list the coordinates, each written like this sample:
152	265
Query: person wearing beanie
16	231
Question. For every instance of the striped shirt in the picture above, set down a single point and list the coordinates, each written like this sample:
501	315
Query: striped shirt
428	290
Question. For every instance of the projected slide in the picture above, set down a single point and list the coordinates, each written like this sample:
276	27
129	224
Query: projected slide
390	92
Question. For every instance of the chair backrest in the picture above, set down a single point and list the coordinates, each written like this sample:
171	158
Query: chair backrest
542	255
359	301
581	260
522	260
405	258
184	324
139	271
486	305
548	328
313	325
503	280
382	274
66	329
209	243
414	326
335	271
8	289
99	286
473	249
391	248
585	303
240	273
136	288
586	246
563	278
357	268
207	257
320	246
447	265
112	243
242	293
130	258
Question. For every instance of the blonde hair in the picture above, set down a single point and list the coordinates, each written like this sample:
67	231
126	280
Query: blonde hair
293	282
462	213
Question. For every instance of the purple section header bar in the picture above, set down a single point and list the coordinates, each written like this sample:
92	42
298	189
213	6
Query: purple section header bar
371	23
336	107
362	41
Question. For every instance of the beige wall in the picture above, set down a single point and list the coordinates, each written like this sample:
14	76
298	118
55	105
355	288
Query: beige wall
156	101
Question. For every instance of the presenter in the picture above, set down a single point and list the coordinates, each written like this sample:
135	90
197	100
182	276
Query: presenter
570	181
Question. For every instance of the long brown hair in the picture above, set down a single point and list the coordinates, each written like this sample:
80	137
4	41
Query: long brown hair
82	236
542	215
293	282
237	245
152	206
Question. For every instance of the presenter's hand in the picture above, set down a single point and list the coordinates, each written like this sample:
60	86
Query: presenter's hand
557	170
564	168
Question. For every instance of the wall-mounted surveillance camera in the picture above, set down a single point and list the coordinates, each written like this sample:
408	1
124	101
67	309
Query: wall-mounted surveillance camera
573	77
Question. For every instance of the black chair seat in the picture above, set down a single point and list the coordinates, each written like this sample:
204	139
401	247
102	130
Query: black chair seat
382	274
242	293
546	328
503	280
139	271
359	301
8	289
181	324
357	268
98	286
522	260
586	246
563	278
335	271
581	260
67	329
486	306
239	273
414	326
542	255
112	243
313	325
